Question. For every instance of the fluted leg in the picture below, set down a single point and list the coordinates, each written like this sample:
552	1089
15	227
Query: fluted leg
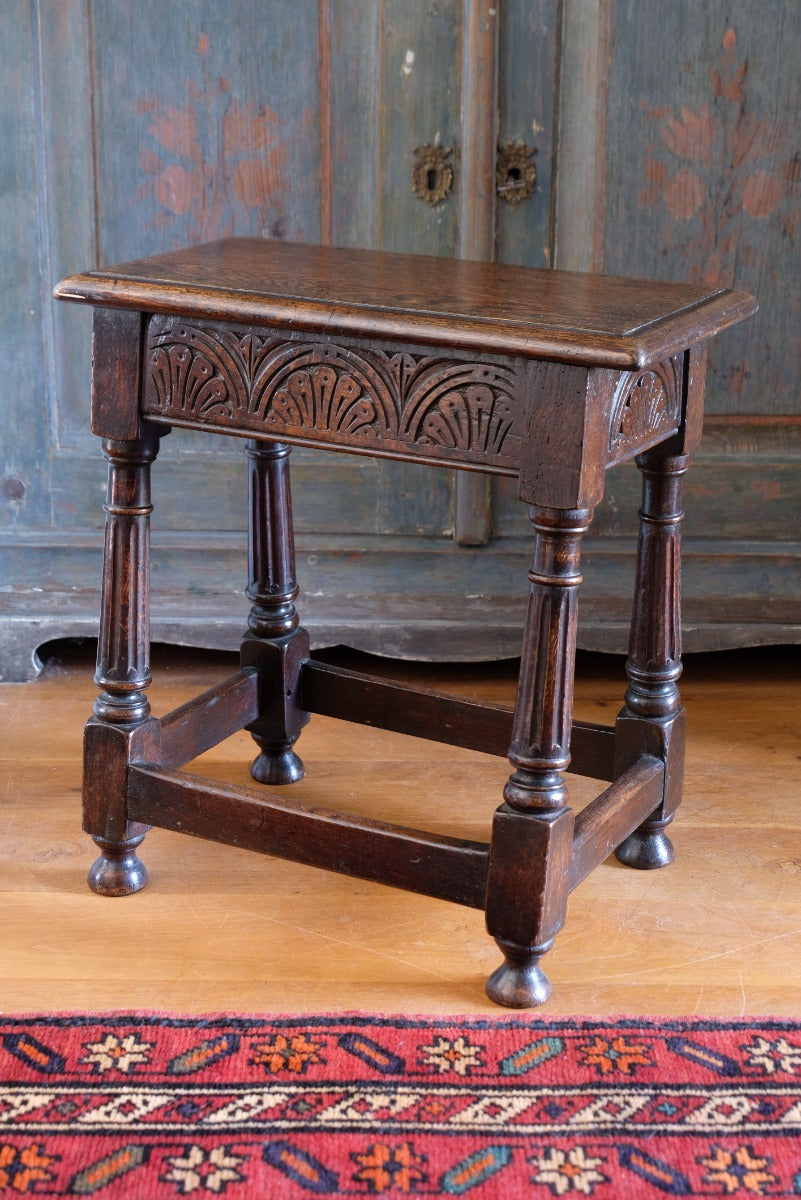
123	669
274	644
532	836
652	720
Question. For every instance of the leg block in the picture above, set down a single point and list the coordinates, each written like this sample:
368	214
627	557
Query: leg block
281	718
649	847
526	899
108	750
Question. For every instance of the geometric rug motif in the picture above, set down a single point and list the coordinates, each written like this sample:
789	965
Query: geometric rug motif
149	1106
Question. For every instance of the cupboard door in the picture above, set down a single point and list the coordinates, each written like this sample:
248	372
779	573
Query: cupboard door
154	127
664	145
702	183
676	156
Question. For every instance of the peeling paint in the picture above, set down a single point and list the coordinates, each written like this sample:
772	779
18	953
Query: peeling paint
722	166
211	164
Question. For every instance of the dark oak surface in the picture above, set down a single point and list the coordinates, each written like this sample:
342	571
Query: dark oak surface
588	319
222	929
579	405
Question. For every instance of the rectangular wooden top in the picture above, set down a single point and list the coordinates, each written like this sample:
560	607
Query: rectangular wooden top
592	320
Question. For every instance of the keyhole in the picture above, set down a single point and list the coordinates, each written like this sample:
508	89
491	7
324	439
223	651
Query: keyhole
515	173
432	174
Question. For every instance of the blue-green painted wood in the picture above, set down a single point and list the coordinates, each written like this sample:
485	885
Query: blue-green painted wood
210	125
703	171
67	204
24	459
415	77
666	145
419	103
352	51
207	122
529	61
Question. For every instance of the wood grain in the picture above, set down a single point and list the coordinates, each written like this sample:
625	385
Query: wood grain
451	869
530	38
352	29
563	315
224	929
418	102
83	107
581	170
606	820
370	700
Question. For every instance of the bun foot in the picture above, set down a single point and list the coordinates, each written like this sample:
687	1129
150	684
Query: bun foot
520	981
646	849
118	871
277	766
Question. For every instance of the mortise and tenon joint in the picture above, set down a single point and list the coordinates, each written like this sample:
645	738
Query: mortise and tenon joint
548	377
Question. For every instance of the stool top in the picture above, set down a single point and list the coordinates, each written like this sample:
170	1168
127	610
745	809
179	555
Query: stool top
593	320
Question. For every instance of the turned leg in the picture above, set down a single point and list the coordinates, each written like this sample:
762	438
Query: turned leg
120	722
652	721
274	644
532	836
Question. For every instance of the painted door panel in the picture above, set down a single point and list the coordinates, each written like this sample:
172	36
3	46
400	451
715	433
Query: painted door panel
665	144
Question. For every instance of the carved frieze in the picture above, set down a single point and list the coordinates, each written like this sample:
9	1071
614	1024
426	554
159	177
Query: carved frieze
646	407
316	390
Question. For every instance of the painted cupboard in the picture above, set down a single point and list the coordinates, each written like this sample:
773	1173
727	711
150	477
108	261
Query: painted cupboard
616	136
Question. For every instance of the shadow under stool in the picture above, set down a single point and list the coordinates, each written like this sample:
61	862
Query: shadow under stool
546	376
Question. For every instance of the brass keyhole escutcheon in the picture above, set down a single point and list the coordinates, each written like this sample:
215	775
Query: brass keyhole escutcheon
515	172
432	175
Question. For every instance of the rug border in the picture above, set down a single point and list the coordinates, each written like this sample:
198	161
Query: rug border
417	1020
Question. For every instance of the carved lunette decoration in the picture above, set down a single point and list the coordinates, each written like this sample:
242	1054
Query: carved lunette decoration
646	407
310	389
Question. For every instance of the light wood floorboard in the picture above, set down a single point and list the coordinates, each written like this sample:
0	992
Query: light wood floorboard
218	929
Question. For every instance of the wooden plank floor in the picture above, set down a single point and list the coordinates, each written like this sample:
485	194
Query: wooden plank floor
718	932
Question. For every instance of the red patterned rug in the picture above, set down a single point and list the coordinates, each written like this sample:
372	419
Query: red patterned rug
150	1106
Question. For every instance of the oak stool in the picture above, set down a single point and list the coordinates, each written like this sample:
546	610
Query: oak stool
547	376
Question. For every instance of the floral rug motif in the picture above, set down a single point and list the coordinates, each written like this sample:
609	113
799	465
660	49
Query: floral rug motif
149	1106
